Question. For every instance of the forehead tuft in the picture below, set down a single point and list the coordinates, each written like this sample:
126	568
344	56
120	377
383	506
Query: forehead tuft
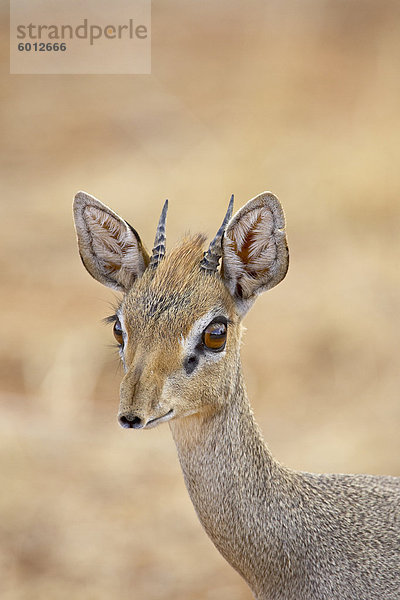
177	289
180	266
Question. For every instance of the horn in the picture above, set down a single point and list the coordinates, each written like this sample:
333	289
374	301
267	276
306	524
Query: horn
209	262
159	242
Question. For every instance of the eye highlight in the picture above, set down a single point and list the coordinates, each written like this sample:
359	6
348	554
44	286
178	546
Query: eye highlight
117	331
214	336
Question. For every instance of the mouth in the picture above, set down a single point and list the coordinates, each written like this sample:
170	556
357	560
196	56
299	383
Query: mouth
154	422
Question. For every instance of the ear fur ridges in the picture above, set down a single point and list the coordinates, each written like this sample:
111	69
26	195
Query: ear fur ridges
110	248
255	253
264	200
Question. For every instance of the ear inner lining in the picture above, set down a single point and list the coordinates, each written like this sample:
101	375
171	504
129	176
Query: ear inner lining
255	255
110	248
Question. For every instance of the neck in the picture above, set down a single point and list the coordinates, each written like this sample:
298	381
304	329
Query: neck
232	479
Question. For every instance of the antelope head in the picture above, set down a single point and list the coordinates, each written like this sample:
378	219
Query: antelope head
178	326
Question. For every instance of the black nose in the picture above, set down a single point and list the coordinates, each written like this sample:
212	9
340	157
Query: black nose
130	421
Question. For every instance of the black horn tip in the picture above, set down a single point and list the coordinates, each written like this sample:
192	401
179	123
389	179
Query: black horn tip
164	209
230	208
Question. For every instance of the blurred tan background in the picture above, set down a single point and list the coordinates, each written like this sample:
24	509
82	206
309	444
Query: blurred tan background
298	97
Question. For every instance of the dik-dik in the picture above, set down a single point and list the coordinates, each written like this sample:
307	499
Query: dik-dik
291	535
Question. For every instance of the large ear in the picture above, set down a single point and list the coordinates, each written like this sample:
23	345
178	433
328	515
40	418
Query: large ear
110	248
255	252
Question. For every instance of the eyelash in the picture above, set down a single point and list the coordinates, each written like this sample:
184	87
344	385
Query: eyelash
114	319
110	319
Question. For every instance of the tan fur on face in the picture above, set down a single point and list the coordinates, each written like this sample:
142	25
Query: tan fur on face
169	302
159	312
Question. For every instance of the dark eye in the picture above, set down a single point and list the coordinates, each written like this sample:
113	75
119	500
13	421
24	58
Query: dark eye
117	331
214	336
